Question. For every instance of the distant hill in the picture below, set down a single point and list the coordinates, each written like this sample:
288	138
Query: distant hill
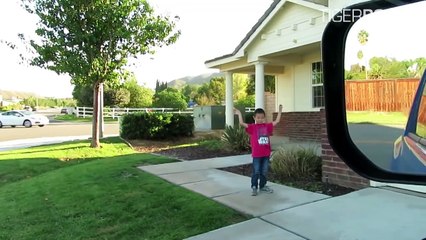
194	80
7	94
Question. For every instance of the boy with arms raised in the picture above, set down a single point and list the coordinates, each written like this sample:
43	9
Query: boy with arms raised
260	133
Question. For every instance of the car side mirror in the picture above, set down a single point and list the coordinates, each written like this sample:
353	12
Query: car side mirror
356	82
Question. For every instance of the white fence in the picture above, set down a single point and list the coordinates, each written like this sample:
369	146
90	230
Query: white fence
117	112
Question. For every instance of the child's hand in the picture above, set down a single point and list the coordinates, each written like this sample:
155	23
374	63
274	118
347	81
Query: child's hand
236	111
280	108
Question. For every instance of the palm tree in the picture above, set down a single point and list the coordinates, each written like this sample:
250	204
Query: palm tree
362	39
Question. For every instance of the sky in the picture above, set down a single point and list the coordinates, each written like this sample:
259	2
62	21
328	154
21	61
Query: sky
210	28
394	33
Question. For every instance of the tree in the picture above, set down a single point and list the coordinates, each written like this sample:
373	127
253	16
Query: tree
189	91
248	101
389	68
217	89
211	93
356	72
170	98
269	84
418	67
160	86
83	95
91	41
139	96
117	97
240	83
362	39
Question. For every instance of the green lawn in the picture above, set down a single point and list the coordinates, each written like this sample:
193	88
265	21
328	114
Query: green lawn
381	118
73	118
70	191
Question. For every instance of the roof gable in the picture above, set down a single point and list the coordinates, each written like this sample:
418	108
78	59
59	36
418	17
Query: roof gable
263	21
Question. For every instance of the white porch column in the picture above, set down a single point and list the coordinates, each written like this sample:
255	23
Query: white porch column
260	85
229	103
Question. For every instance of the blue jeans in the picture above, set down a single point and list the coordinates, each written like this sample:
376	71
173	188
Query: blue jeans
260	170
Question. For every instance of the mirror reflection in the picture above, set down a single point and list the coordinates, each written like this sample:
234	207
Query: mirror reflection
385	60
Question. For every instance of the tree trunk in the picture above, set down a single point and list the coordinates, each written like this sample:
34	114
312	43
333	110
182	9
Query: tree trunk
95	115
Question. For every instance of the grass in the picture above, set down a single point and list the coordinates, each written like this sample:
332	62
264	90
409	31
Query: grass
73	118
70	191
380	118
212	144
421	129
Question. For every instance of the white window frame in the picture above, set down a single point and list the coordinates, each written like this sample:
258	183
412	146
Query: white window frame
313	85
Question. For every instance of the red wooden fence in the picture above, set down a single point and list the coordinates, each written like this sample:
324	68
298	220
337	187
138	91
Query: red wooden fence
390	95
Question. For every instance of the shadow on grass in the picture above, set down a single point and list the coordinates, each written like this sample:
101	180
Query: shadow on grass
21	151
21	169
57	146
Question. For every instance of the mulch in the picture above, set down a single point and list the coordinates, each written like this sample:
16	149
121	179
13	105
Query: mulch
196	153
199	152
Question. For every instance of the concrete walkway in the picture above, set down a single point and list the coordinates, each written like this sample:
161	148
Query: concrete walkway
25	143
294	214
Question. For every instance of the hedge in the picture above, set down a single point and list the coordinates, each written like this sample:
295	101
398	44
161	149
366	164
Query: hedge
156	126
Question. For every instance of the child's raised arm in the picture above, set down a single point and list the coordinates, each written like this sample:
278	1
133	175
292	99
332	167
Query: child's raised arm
277	120
240	118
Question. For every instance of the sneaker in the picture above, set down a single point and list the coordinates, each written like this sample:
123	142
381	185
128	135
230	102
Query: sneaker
254	191
266	189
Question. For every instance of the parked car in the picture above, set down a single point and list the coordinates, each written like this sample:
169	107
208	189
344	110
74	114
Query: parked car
22	118
67	110
410	148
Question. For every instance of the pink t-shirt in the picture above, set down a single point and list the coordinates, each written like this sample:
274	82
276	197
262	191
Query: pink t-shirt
259	139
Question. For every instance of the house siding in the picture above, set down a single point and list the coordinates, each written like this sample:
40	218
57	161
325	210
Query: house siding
285	89
278	35
294	87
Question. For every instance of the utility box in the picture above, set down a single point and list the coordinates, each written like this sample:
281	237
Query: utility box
211	117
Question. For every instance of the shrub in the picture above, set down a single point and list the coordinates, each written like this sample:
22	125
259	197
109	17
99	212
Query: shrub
296	163
156	126
236	138
248	117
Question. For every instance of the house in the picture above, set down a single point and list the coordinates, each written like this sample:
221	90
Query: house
286	42
4	102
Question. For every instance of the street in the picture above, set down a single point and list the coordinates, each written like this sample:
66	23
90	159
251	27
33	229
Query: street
375	141
54	130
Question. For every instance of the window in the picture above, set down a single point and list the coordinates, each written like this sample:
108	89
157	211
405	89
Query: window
317	85
421	117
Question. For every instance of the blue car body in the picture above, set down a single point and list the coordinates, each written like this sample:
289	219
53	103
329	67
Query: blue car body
410	148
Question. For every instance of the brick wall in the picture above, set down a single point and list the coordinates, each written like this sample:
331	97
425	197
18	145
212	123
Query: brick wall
299	126
334	170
